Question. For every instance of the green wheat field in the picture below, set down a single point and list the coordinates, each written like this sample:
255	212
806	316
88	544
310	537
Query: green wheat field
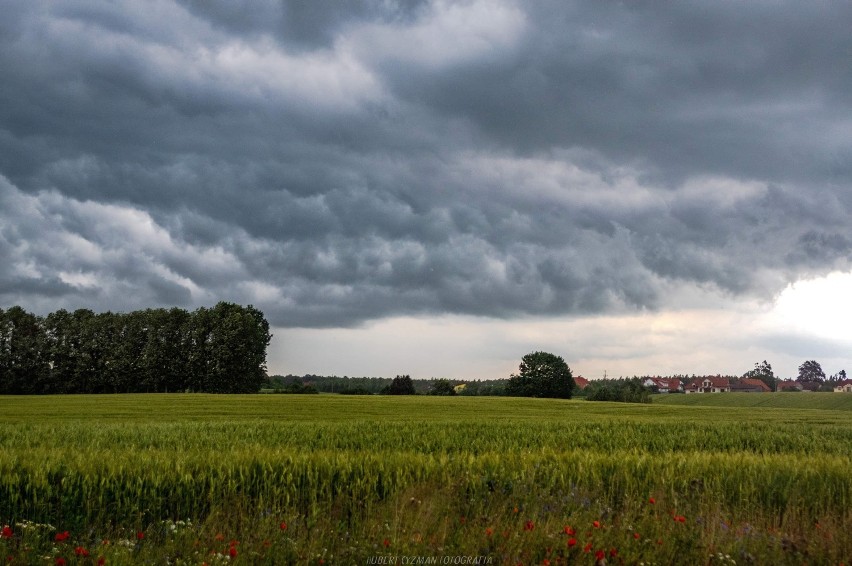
331	479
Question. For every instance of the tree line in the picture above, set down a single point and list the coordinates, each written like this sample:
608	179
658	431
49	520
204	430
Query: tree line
217	350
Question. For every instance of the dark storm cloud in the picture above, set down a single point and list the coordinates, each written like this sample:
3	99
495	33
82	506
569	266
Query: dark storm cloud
334	166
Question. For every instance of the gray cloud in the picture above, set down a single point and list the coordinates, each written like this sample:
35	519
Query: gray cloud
335	166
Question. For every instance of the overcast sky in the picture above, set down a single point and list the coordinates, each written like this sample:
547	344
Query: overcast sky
437	188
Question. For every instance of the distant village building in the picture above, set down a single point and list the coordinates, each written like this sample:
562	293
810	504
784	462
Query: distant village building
789	385
581	382
844	387
709	385
750	385
664	384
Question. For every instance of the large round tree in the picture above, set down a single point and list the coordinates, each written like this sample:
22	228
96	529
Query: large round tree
541	374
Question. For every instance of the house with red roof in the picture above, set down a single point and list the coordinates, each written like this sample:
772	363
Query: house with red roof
581	382
789	385
750	385
664	384
844	386
709	384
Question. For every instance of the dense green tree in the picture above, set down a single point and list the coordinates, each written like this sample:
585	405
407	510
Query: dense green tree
763	372
811	372
23	365
442	387
401	385
541	374
620	390
222	349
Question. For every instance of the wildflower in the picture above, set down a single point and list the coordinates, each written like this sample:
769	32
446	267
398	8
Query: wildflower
600	555
140	535
529	525
613	552
587	548
572	542
232	552
266	543
546	562
283	525
680	518
568	530
462	520
636	536
515	509
81	551
101	561
60	561
6	532
652	501
489	531
386	542
63	536
219	537
596	524
659	541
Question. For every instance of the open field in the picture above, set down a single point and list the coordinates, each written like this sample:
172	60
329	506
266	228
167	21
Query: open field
283	479
781	400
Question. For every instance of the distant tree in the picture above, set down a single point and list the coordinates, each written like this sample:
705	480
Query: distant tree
838	377
763	372
401	385
299	388
620	390
811	372
541	374
23	366
442	387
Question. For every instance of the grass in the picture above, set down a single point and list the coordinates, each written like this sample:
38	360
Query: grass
358	477
781	400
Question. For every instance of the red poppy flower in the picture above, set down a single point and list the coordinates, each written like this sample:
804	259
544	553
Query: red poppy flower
63	536
489	531
283	525
81	551
572	542
101	561
600	555
651	500
6	532
386	542
140	535
219	536
462	520
680	518
659	541
232	552
545	562
636	536
596	524
569	530
587	548
60	561
613	552
529	525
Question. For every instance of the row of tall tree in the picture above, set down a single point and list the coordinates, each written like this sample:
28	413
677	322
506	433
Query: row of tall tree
220	350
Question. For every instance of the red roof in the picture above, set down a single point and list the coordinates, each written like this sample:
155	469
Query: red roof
581	382
752	383
715	381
